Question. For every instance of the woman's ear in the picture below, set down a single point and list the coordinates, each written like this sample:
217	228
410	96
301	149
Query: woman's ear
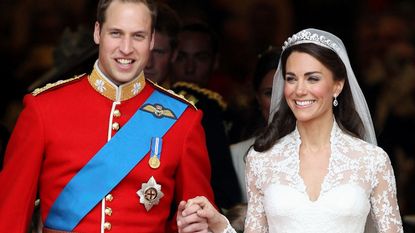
338	87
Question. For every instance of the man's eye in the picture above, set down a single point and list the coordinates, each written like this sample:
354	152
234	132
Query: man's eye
180	57
114	34
159	51
139	37
203	57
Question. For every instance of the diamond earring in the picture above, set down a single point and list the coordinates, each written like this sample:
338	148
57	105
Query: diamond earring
335	102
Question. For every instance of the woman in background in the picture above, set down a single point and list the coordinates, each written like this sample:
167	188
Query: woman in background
262	83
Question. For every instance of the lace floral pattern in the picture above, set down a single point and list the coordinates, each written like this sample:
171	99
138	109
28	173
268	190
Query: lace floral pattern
360	180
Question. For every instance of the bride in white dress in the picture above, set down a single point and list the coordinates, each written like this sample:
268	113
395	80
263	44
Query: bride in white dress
317	167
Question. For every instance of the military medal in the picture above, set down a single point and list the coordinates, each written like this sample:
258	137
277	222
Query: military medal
150	193
154	160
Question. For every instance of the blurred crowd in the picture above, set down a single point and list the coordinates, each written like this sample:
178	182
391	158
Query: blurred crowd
44	41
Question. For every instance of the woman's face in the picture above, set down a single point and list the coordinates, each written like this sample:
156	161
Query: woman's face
263	94
309	88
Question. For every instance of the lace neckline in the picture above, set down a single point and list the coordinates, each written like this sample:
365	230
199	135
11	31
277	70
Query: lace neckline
324	186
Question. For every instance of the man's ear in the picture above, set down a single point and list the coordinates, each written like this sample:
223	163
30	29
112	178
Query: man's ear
174	56
216	61
97	31
153	34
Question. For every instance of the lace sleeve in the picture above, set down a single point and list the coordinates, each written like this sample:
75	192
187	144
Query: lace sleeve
255	220
229	228
385	210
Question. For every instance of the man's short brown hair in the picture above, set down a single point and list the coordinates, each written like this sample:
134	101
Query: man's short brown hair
104	4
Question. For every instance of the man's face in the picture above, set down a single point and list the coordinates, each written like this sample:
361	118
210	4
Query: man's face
125	40
158	66
195	60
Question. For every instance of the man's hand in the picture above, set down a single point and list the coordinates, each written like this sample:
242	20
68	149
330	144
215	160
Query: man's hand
199	215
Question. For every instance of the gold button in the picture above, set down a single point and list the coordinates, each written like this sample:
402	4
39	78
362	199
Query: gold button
108	211
115	126
117	113
109	197
107	226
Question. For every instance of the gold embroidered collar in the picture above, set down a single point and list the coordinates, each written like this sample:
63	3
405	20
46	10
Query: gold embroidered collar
107	88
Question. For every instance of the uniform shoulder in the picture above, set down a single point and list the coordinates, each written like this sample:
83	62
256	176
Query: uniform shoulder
57	84
170	93
209	94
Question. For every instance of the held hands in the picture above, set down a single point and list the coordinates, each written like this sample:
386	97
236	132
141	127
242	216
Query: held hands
199	215
188	221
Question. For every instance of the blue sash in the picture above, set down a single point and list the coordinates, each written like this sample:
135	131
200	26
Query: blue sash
113	162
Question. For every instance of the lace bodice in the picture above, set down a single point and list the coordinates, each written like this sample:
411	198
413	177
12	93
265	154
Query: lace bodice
360	180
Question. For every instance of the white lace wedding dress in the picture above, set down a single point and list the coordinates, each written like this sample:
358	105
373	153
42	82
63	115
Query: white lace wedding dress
360	181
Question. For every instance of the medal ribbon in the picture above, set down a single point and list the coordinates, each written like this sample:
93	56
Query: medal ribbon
111	163
156	144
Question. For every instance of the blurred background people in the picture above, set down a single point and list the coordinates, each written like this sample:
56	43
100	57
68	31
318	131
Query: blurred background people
257	118
196	60
158	67
262	84
386	55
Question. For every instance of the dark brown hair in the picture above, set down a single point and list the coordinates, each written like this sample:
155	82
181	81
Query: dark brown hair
267	60
345	113
168	23
104	4
203	28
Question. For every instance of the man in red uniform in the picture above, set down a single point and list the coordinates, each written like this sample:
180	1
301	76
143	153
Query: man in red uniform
108	151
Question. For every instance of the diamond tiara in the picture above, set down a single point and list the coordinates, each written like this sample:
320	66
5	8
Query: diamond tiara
305	36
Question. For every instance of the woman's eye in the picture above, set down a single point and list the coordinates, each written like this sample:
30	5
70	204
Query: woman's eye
313	78
268	93
289	79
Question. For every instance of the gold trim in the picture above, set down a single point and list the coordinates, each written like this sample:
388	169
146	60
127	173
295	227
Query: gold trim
172	93
209	93
113	92
48	86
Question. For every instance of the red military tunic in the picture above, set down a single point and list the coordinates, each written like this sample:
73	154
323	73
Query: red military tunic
61	129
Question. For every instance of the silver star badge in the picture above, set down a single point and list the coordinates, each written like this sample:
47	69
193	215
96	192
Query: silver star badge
150	193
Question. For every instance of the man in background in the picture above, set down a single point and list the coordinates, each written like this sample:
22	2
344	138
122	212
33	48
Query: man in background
158	67
196	60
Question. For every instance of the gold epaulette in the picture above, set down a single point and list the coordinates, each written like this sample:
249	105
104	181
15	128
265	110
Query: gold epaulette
209	93
48	86
172	93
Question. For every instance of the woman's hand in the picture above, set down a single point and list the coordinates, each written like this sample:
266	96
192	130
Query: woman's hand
188	221
194	210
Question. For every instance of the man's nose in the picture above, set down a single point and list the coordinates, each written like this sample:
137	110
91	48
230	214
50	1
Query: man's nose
126	45
190	66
